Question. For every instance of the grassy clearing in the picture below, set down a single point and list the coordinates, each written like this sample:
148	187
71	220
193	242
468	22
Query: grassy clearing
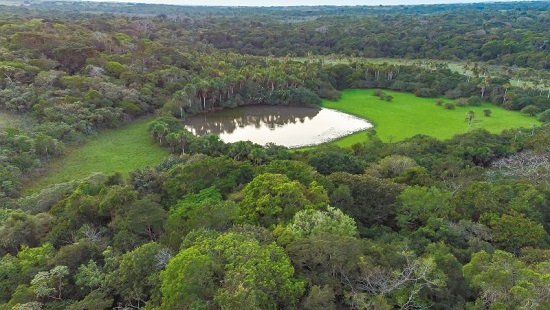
408	115
119	150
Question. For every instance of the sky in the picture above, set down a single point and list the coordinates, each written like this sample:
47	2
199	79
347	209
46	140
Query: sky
298	2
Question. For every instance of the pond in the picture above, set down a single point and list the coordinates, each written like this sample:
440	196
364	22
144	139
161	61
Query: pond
282	125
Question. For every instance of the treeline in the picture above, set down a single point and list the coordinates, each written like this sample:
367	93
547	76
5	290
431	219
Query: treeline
417	223
294	13
508	37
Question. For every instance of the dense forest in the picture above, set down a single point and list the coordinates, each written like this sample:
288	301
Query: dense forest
462	223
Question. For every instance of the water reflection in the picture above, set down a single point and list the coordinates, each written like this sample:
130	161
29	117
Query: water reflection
227	121
288	126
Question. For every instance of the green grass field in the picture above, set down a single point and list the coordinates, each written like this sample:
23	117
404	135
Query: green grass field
408	115
122	150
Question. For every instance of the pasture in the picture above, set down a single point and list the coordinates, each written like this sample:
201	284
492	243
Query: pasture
117	150
407	115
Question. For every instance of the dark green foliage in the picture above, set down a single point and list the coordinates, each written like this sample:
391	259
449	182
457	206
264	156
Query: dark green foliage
205	210
331	159
224	173
545	116
373	201
530	110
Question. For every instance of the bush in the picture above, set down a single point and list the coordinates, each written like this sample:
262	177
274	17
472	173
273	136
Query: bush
449	106
426	93
461	102
545	116
531	110
330	94
474	101
487	113
378	93
439	103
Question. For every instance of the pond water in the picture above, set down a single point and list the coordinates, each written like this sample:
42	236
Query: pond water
282	125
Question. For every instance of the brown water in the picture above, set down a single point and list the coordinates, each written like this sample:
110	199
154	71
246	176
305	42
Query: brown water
288	126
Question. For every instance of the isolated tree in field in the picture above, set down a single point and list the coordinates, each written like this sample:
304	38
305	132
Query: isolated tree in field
470	119
506	87
531	110
483	86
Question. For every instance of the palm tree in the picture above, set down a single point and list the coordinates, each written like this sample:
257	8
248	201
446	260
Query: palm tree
470	116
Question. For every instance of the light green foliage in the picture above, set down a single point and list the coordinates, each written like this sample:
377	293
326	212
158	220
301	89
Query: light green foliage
90	276
513	231
417	204
188	279
33	259
114	69
272	198
409	115
50	283
33	305
96	300
485	197
394	166
231	270
402	286
46	198
205	210
507	283
294	170
320	298
313	222
137	276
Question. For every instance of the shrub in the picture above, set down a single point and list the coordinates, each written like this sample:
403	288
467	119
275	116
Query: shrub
474	101
426	93
461	102
531	110
487	113
449	106
378	93
545	116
